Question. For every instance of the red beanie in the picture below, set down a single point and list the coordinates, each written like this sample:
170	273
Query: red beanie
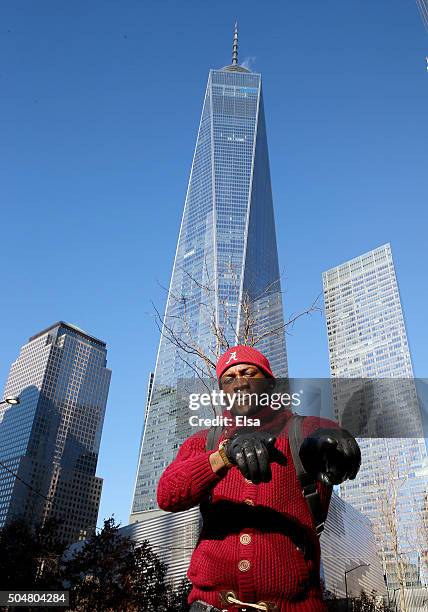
243	354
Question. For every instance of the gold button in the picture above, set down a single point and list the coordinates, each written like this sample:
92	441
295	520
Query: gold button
244	565
249	502
245	538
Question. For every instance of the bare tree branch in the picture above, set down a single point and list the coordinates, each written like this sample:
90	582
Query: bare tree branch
221	313
386	495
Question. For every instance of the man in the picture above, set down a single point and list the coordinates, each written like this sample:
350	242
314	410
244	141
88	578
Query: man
258	549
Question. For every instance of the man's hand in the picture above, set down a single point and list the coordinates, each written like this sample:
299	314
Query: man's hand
331	455
250	453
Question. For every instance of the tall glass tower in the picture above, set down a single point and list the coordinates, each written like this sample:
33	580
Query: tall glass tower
49	442
368	341
226	257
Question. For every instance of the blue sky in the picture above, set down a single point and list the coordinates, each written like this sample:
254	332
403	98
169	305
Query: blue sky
99	111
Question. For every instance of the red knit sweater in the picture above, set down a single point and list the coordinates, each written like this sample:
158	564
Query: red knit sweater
257	540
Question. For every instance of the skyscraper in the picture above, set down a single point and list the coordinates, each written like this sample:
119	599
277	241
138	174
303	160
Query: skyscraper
49	442
365	324
226	259
368	341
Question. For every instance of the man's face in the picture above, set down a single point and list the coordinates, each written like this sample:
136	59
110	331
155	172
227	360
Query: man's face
248	381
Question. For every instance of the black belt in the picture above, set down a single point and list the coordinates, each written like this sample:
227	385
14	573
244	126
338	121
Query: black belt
199	606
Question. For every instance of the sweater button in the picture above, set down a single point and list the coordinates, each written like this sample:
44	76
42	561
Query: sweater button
249	502
244	565
245	538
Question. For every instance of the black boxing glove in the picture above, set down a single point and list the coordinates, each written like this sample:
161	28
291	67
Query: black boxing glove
250	453
331	455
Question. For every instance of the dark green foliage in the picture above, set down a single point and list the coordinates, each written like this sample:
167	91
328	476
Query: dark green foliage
111	573
177	600
29	557
108	573
368	603
363	603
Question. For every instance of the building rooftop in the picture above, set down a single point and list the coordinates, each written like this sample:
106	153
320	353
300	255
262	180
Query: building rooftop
72	328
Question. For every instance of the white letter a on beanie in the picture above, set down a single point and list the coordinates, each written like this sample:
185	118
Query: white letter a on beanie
232	356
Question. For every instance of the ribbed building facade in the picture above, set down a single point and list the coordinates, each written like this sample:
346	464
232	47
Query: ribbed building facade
375	397
173	537
49	442
348	545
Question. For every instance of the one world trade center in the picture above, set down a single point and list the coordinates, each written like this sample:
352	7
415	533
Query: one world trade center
226	259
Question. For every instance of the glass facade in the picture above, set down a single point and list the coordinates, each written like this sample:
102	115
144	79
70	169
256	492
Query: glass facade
226	256
51	438
368	340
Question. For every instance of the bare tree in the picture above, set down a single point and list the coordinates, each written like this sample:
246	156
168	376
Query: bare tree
387	488
422	531
230	322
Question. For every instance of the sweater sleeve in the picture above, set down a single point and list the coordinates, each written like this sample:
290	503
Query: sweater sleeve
188	478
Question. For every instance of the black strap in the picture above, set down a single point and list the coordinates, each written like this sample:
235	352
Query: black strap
213	437
307	482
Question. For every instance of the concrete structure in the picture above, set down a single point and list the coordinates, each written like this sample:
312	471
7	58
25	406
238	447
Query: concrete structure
347	542
173	536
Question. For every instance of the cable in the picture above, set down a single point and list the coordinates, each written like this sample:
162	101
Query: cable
424	6
25	483
423	9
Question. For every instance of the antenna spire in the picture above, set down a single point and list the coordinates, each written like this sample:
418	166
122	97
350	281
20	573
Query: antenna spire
235	46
